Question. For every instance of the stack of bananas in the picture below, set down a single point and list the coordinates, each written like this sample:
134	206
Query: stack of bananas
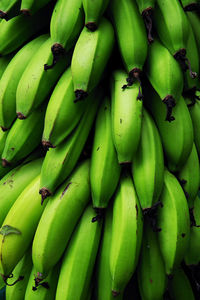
100	147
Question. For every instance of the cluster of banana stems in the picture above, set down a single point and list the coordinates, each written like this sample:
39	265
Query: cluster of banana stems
100	147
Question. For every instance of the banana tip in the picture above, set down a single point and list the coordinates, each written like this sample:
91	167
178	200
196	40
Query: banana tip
4	128
3	15
5	163
92	26
25	12
44	193
80	95
115	293
47	144
21	116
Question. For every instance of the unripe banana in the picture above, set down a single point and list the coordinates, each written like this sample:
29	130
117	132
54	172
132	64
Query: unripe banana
168	83
195	23
21	271
62	114
23	137
174	222
78	261
9	83
148	164
9	9
71	198
126	234
126	111
3	136
90	56
35	83
151	269
59	162
18	228
195	115
129	23
29	7
103	159
93	12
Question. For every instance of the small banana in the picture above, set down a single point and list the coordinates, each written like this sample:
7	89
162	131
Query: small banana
126	234
93	12
9	9
79	259
126	112
91	54
195	115
174	222
35	83
59	162
29	7
148	164
18	228
8	82
105	170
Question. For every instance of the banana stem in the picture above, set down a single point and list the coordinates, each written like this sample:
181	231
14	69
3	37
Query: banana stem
184	62
57	51
147	15
5	278
44	193
134	75
170	103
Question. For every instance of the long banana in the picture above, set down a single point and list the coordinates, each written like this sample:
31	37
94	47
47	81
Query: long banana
148	164
35	83
126	112
174	223
59	162
71	198
9	9
195	23
29	7
91	54
103	159
195	115
9	83
18	228
78	261
124	250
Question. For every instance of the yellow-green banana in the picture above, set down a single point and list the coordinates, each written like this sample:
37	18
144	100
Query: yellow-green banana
93	12
29	7
126	234
126	111
59	162
195	115
9	83
60	216
9	8
174	222
91	54
35	83
18	228
105	170
148	164
79	259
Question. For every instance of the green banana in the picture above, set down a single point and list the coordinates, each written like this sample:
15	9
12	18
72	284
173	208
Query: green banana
23	137
59	162
71	198
189	177
62	114
91	54
29	7
148	164
13	183
21	271
4	61
93	12
190	5
195	115
168	83
9	9
18	30
18	228
103	159
151	269
195	23
8	82
174	222
35	83
128	23
124	251
78	261
64	34
3	136
126	112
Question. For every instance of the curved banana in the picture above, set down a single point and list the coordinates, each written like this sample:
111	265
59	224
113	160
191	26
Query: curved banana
18	228
21	271
151	269
174	222
9	83
59	162
105	170
148	164
35	83
29	7
93	12
126	112
23	137
124	250
62	114
9	9
168	83
4	61
189	177
78	272
90	56
195	115
71	198
195	23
